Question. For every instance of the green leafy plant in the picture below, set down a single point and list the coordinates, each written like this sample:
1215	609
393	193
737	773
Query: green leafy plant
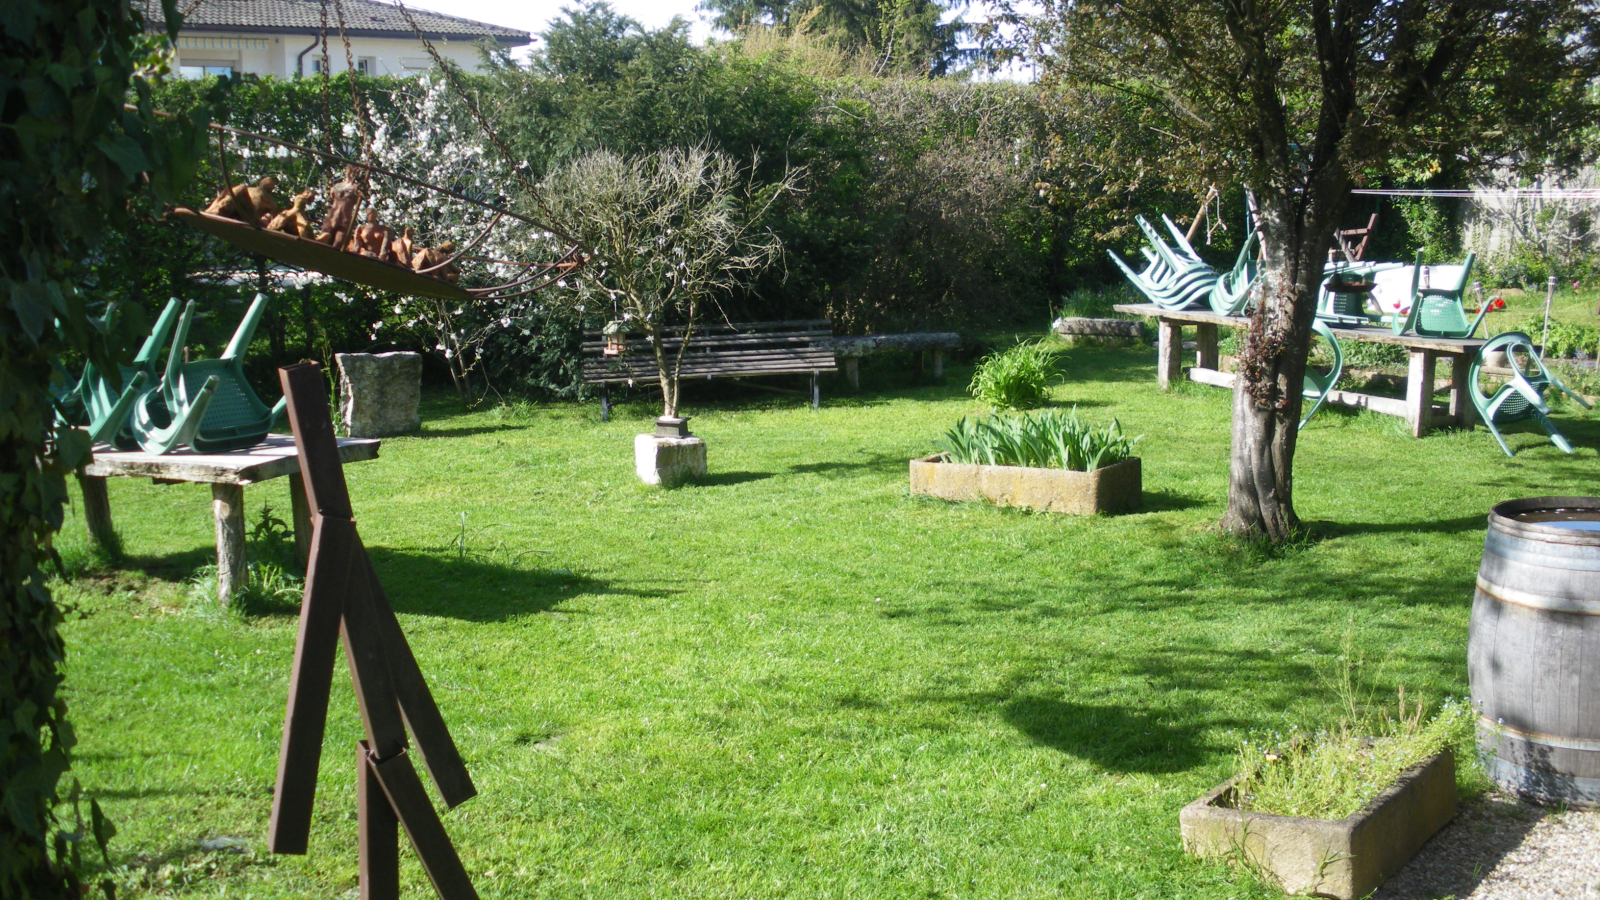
1567	339
1047	440
1332	773
1016	378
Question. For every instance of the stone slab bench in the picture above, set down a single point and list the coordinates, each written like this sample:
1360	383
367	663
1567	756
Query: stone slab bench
850	350
1078	326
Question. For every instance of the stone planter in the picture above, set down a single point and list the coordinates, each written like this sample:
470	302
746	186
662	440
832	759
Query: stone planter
1114	488
1347	858
379	393
1077	329
668	461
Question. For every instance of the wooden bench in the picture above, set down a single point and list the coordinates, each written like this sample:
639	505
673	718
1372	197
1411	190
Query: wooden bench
920	344
716	351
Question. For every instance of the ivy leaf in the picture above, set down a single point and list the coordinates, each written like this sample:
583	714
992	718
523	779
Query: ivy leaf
125	152
31	303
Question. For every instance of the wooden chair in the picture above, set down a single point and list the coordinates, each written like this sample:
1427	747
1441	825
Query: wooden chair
1522	397
1342	241
1319	385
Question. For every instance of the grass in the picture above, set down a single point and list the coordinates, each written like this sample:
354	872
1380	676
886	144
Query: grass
794	679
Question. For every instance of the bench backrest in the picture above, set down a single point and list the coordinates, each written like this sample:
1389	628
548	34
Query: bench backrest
749	348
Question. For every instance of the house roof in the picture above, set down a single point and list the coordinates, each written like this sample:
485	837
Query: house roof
362	18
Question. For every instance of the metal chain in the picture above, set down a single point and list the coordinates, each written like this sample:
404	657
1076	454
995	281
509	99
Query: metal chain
350	73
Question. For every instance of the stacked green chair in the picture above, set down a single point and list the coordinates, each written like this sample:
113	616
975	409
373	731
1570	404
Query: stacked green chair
236	417
1437	311
104	408
1174	279
166	417
1522	397
1231	294
1318	386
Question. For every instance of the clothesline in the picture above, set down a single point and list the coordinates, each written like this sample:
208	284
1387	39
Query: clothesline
1516	193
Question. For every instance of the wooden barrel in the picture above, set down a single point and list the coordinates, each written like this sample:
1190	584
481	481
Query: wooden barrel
1533	657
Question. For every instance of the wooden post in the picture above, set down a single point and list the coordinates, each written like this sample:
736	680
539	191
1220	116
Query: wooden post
917	363
300	513
816	391
605	402
938	363
1419	391
1461	408
227	506
97	514
378	830
1169	352
852	372
1205	342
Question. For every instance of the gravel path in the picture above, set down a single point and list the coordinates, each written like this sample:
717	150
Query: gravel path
1499	848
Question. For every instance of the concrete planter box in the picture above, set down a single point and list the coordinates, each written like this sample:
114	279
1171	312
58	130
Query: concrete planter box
1114	488
1347	858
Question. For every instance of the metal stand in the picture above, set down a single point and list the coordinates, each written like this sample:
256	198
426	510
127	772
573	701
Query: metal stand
343	599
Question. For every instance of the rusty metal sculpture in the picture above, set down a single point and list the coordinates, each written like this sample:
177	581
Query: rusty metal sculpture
343	599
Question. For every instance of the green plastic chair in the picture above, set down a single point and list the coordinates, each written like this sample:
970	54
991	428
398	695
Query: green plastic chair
1522	397
1438	311
1231	294
236	417
104	409
1317	385
165	417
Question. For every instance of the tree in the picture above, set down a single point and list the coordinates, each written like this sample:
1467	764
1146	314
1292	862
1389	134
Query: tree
669	234
70	154
1300	101
901	35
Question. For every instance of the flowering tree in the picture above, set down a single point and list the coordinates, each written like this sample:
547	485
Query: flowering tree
669	234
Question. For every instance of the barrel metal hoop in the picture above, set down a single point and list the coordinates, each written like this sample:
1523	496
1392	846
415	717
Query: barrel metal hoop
1538	737
1578	557
1538	601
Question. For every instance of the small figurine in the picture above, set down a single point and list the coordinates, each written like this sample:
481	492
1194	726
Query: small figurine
372	239
293	220
428	257
401	248
246	203
344	199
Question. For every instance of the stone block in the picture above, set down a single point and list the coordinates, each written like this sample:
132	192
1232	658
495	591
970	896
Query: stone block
1345	858
668	461
379	393
1114	488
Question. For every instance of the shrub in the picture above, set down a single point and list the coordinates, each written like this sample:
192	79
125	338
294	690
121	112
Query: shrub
1016	378
1047	440
1567	339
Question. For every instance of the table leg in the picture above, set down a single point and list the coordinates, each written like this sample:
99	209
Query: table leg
227	506
300	511
852	372
1419	391
938	364
1169	352
97	514
1461	408
1205	342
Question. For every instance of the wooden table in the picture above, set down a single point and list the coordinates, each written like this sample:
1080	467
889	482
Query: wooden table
227	473
1425	352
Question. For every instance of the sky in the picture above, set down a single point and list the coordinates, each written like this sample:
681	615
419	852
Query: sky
533	15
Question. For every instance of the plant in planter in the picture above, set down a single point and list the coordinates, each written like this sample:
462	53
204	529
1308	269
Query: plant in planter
1335	813
668	234
1051	460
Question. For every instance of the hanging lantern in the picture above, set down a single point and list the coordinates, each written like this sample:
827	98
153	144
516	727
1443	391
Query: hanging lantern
616	335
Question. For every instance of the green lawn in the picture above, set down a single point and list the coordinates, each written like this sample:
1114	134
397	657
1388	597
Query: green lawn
795	680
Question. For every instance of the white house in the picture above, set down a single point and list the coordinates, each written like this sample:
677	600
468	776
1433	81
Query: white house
284	37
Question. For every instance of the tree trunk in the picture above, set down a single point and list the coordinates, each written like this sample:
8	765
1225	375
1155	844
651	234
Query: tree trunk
1267	394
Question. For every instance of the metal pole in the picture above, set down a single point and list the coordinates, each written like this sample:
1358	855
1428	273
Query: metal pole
1549	295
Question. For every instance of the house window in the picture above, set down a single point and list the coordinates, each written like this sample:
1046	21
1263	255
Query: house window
199	69
367	65
316	67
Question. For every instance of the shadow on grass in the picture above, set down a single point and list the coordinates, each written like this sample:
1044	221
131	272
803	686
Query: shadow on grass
872	462
478	590
719	479
1458	525
1114	738
1165	501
